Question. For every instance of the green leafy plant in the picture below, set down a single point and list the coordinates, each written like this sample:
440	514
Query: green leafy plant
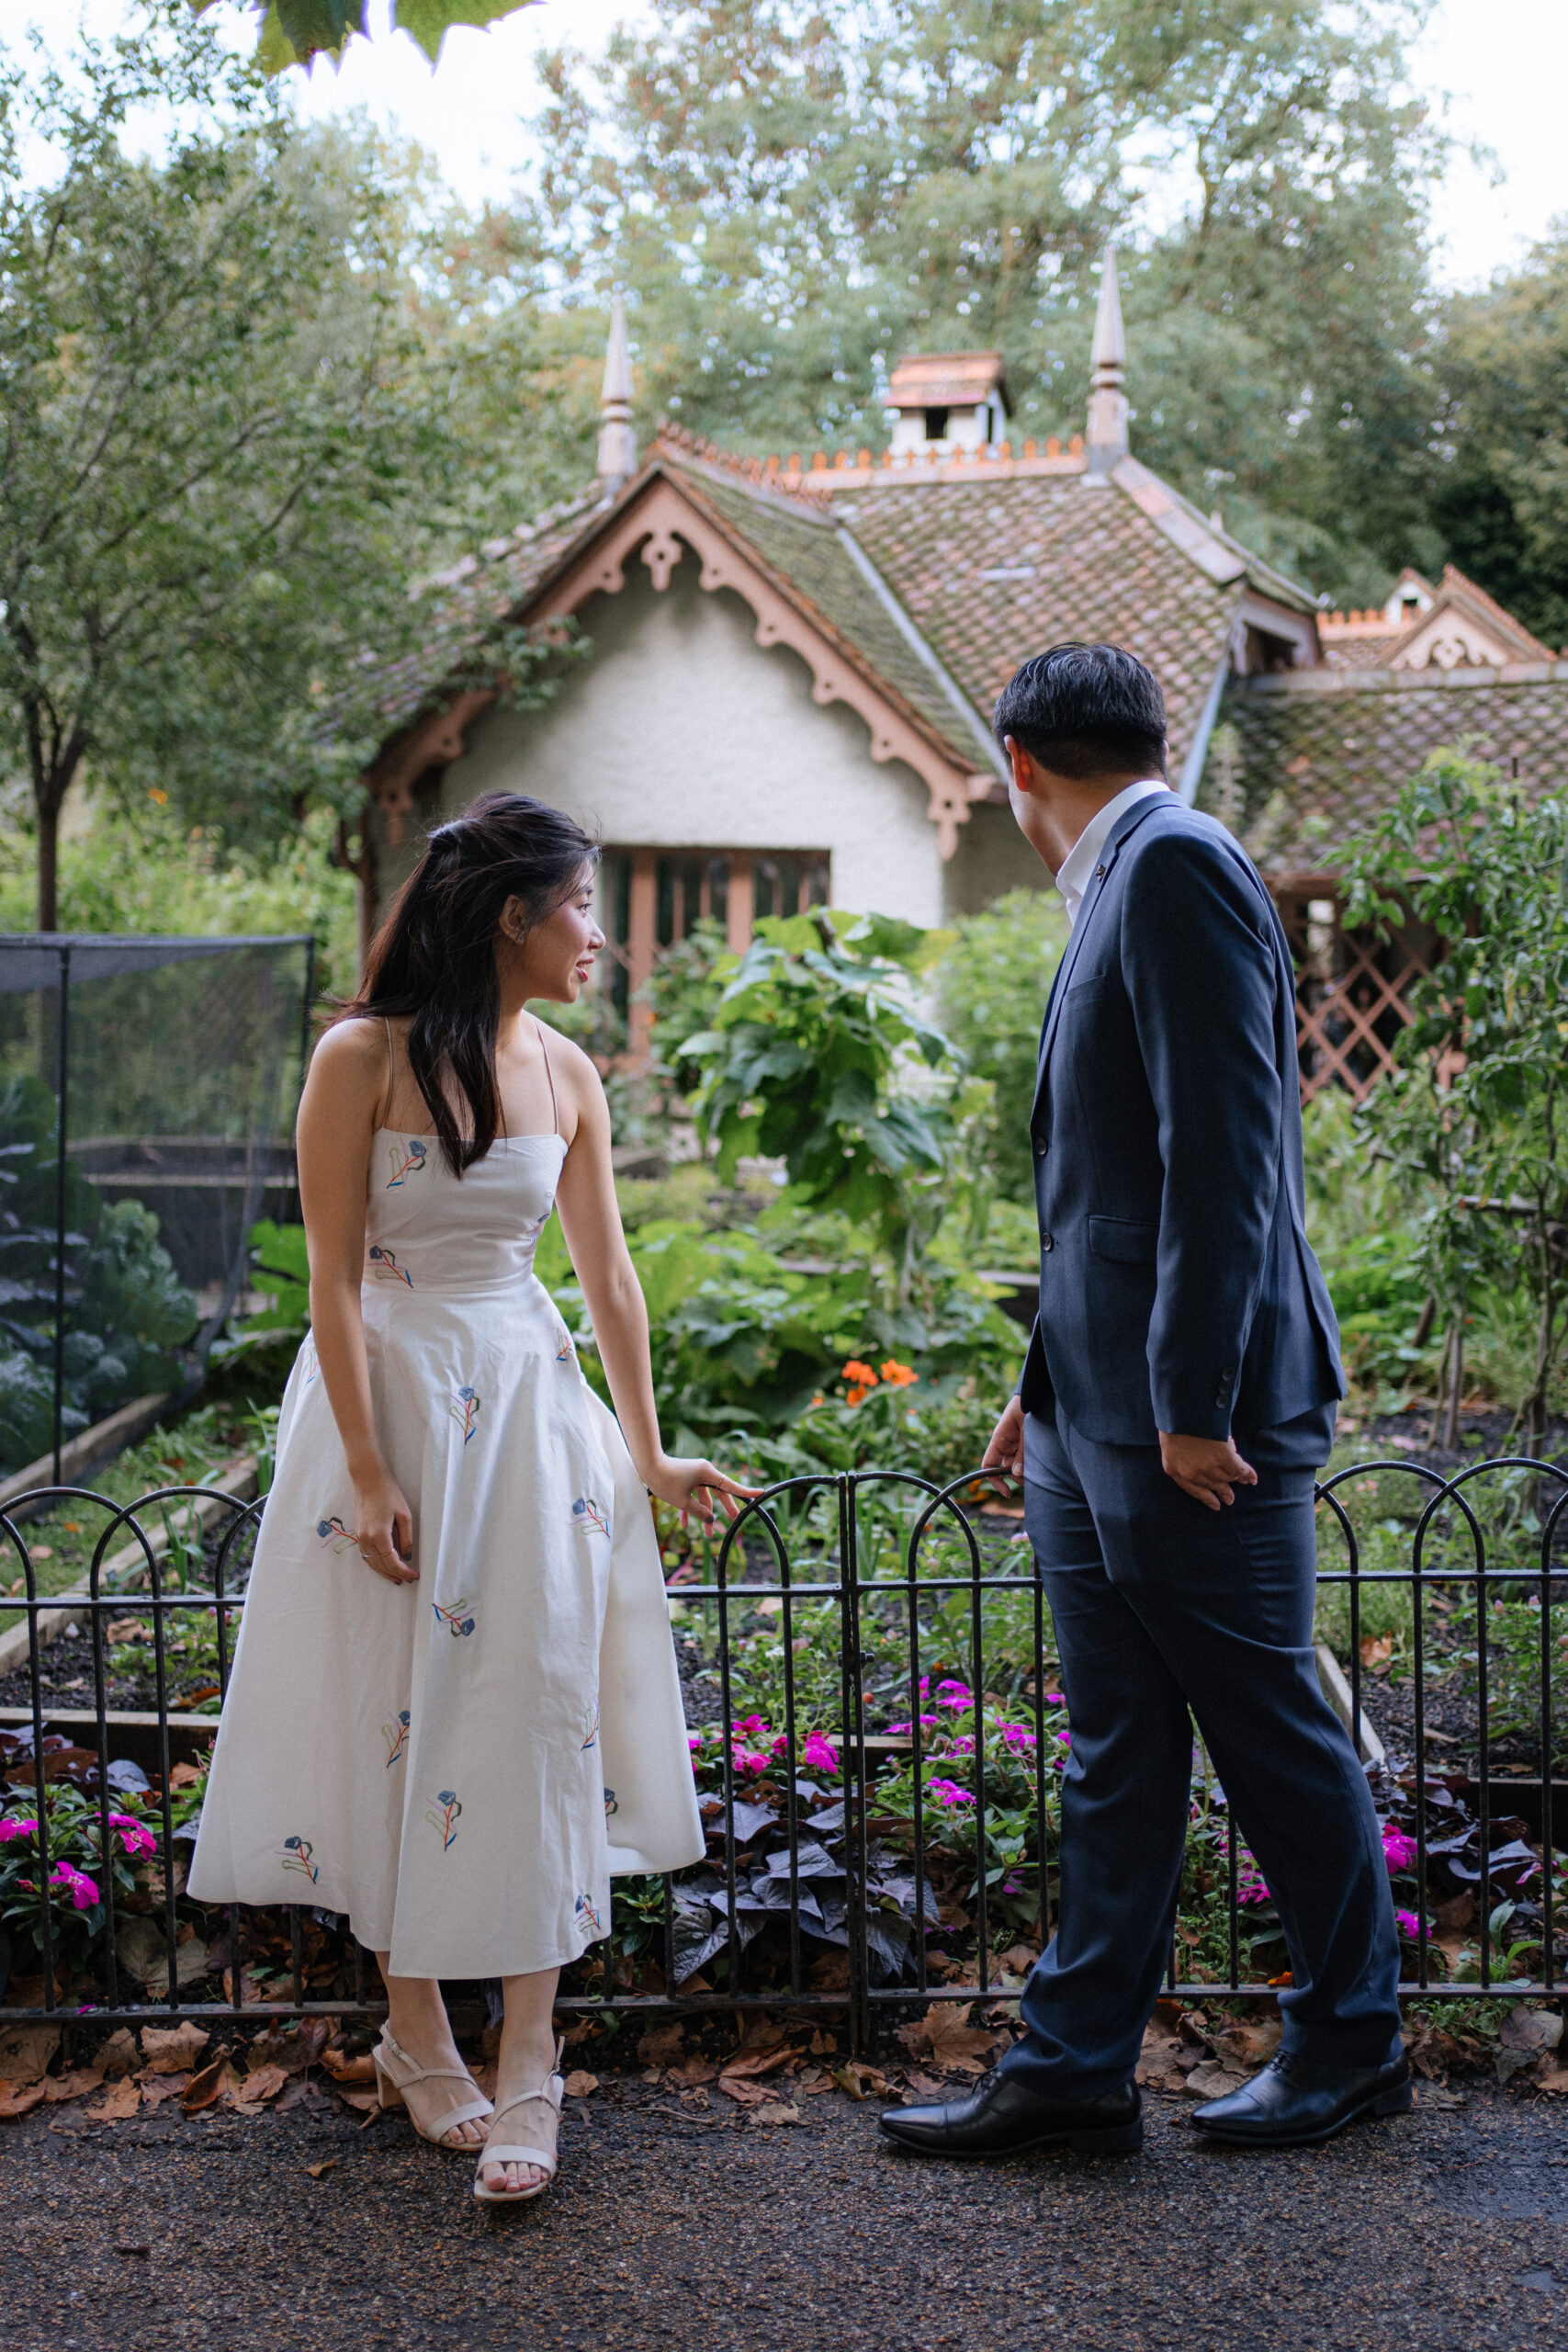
1470	1121
291	32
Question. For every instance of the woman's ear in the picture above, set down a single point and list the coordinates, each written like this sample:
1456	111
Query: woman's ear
514	921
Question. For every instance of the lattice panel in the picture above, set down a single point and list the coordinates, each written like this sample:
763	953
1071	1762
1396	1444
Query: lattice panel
1352	992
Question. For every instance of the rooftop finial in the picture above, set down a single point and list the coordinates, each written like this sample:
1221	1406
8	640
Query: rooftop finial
617	443
1107	435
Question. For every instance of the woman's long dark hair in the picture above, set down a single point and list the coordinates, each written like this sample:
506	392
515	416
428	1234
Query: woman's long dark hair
433	957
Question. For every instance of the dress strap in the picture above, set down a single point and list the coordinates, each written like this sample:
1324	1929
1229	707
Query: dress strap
555	1115
391	1070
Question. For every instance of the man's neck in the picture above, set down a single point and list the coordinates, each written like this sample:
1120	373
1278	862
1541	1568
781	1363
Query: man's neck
1056	819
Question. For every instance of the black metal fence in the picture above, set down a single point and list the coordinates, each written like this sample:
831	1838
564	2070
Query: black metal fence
878	1752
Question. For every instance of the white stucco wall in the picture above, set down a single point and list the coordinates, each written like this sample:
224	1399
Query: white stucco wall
681	731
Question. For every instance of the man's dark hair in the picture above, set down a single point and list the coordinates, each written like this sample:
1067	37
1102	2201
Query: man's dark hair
1085	711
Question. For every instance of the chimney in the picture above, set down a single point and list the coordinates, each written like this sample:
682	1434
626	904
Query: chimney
1107	435
617	443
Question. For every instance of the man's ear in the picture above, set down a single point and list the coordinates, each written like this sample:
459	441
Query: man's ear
1020	765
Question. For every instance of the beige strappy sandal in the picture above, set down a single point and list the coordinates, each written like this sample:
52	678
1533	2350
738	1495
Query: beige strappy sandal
396	2075
543	2121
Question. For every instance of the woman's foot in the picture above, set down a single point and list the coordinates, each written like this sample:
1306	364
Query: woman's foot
444	2104
524	2128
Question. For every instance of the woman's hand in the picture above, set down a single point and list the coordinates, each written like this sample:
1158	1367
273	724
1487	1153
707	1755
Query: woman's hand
383	1526
692	1486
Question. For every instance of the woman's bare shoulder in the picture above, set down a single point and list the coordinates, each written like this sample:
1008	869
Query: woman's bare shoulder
351	1058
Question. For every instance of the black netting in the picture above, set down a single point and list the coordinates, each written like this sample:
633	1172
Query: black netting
170	1067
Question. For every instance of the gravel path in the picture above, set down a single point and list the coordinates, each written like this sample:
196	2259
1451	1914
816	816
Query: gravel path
702	2231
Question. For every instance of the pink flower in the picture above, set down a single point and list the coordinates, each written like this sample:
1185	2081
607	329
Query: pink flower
134	1835
1054	1699
780	1747
1398	1847
694	1740
82	1891
1063	1738
750	1760
1409	1924
954	1694
1017	1735
949	1792
962	1745
751	1727
926	1722
11	1829
819	1753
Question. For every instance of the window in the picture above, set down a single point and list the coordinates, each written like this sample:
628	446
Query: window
650	898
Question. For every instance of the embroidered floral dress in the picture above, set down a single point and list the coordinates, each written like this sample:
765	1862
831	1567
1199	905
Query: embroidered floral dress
459	1764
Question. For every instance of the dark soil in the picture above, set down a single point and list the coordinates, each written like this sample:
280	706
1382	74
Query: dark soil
695	2227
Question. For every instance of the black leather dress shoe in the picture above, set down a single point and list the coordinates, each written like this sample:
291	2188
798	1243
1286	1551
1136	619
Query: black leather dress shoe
1297	2099
1001	2118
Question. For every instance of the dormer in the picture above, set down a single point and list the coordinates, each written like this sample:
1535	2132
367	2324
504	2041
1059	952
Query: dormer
949	401
1409	598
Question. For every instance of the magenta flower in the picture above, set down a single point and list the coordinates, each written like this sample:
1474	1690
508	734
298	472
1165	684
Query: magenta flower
750	1760
134	1835
1054	1699
1398	1847
1063	1738
949	1792
1017	1735
82	1891
694	1740
11	1829
819	1753
1409	1924
751	1727
954	1694
963	1744
926	1722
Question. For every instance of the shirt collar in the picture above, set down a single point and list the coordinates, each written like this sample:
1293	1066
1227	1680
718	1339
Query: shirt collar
1077	868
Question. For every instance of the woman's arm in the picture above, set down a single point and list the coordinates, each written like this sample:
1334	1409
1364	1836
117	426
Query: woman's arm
590	1219
339	1113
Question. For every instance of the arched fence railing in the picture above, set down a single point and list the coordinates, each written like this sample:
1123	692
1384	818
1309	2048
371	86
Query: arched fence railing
878	1741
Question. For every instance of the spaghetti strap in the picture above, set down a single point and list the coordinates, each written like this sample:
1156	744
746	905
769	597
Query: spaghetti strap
554	1113
391	1070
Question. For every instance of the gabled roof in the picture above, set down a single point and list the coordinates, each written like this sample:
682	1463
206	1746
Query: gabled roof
948	380
912	590
1456	626
1301	760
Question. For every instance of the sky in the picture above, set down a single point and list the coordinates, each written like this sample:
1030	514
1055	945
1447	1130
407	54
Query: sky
1498	68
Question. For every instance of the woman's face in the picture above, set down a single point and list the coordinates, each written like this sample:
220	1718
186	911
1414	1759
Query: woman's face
555	959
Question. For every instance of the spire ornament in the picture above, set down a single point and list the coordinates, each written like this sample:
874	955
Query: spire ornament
1106	439
618	442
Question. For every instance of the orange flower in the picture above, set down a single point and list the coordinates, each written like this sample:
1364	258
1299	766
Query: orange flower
861	1374
899	1375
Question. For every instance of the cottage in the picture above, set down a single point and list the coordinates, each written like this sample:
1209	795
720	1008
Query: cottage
791	664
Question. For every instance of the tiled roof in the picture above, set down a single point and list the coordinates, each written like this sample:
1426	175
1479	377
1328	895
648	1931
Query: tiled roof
475	595
1299	760
993	569
802	545
944	380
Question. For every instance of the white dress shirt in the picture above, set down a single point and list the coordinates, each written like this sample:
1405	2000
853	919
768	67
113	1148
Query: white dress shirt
1077	868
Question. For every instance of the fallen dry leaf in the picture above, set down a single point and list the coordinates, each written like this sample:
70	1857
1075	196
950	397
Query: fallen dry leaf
318	2171
74	2084
695	2072
945	2035
344	2069
262	2084
118	2104
1019	1958
1554	2079
1252	2045
774	2110
848	2080
205	2089
118	2055
157	2089
1210	2080
928	2089
823	2043
18	2100
366	2103
1376	1650
26	2051
174	2049
578	2085
659	2047
747	2063
744	2090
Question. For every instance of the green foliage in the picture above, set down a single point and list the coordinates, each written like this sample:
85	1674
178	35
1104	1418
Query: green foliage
291	32
681	992
992	984
1367	1243
126	1310
1470	1121
800	197
1502	499
801	1058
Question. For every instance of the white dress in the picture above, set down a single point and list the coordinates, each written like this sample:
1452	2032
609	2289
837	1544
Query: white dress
459	1764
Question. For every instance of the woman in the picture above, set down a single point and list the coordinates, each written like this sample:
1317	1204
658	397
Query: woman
455	1709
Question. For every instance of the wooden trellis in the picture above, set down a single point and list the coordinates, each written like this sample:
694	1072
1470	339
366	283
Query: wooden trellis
1352	988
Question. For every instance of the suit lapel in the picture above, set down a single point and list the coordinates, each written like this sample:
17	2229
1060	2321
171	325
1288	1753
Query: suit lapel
1126	824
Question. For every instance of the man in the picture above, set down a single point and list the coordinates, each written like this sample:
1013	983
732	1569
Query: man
1178	1397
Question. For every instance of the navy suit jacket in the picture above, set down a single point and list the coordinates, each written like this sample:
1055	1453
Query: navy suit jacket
1178	1289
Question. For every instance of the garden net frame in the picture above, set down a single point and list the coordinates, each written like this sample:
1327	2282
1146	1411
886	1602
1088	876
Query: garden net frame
147	1094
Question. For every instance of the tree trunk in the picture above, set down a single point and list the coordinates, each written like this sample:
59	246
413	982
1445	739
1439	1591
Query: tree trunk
49	867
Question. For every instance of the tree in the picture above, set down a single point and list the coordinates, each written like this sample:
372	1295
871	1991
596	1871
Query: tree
796	196
291	32
219	449
1472	1120
1502	499
991	990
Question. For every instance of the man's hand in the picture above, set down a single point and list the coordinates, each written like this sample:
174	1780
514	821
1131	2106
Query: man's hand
1208	1468
1006	1450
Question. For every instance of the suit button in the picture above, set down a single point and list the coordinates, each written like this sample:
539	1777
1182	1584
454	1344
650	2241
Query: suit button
1041	1147
1046	1242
